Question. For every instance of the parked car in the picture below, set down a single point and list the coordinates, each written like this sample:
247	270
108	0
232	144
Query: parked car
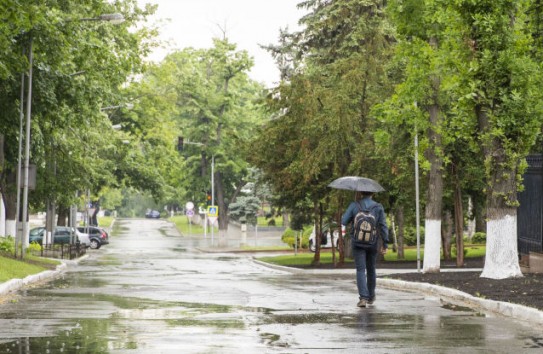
326	239
61	235
152	214
97	236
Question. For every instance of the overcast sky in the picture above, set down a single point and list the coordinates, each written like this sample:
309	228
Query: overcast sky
248	23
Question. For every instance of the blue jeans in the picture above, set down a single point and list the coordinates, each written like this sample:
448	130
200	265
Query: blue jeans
366	277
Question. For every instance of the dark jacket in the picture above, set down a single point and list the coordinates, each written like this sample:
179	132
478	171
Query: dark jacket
379	213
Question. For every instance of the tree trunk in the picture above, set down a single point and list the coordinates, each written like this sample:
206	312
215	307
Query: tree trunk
9	194
480	220
446	234
318	228
2	152
341	244
286	222
400	234
220	202
432	223
501	259
63	216
458	220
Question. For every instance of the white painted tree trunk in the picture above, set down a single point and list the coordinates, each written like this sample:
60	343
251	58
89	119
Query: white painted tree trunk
432	246
501	259
2	217
11	228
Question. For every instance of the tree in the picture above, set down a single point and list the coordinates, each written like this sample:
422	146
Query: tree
245	209
217	109
325	129
502	95
78	66
420	27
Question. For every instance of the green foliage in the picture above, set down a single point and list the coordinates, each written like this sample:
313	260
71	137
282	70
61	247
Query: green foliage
7	244
79	67
16	269
289	237
182	224
245	209
322	123
33	248
410	236
479	238
215	108
105	221
135	204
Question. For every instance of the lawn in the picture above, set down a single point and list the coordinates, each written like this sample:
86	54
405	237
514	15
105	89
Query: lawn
12	268
305	259
262	221
105	221
182	224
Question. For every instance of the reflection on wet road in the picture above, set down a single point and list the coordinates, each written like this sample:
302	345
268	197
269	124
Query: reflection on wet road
152	291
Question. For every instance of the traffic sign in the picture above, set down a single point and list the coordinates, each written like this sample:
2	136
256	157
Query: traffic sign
190	213
212	211
212	219
189	205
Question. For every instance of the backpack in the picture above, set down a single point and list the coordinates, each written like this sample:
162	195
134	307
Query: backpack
365	227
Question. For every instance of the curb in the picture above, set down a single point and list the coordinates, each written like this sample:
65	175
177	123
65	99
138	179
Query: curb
515	311
304	271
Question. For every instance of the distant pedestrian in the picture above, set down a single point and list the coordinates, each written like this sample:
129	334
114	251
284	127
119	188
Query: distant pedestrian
365	255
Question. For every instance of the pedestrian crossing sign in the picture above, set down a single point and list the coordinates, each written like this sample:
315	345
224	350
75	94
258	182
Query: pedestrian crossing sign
212	211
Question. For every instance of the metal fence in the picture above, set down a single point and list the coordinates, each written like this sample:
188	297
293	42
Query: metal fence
530	211
63	251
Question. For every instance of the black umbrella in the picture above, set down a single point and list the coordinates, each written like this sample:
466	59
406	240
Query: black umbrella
354	183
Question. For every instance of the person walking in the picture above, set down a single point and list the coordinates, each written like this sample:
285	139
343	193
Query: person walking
365	256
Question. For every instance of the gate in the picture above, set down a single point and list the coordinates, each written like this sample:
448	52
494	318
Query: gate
530	211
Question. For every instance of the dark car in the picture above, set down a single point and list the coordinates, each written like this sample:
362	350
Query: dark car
152	214
61	234
97	236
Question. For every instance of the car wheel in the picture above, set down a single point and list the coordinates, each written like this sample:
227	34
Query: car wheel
95	244
312	247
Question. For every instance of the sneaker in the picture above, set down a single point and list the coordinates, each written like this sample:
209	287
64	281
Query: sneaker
362	303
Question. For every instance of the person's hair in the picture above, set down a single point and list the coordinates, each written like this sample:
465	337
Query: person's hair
360	195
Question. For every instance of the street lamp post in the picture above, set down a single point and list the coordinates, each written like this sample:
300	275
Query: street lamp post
112	18
27	152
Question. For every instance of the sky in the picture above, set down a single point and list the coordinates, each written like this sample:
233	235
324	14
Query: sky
248	23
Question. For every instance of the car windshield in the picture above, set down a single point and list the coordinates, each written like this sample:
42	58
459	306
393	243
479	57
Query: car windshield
36	232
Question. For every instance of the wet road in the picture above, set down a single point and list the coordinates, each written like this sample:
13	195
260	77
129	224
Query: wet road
152	291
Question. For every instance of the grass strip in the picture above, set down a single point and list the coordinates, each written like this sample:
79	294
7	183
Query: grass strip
11	268
305	259
182	224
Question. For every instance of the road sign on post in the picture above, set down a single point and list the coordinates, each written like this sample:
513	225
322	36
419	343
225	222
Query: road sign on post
213	211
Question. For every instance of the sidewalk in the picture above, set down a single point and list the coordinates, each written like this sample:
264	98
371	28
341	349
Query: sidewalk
447	295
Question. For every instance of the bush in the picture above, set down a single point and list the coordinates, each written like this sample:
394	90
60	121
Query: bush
410	236
479	237
7	244
289	237
34	247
